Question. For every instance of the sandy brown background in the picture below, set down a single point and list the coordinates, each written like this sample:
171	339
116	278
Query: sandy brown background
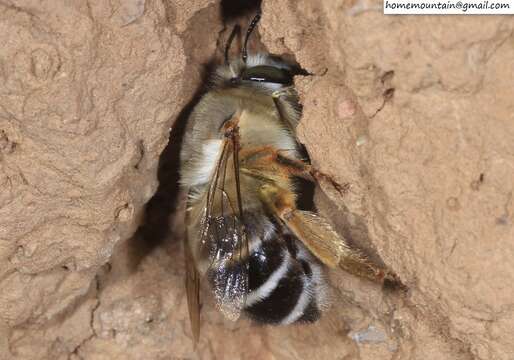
416	113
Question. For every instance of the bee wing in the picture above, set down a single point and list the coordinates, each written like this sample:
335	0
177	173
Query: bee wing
229	263
193	292
221	233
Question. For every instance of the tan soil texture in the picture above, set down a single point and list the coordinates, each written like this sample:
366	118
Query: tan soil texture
415	113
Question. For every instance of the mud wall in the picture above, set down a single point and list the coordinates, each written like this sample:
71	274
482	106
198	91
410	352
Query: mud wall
414	113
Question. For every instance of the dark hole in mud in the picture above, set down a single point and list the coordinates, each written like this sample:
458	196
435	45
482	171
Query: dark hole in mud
231	9
155	230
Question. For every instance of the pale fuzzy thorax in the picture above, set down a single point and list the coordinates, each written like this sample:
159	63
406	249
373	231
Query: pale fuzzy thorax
205	164
257	130
260	124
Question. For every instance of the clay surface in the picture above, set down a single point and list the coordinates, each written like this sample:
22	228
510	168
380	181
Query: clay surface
414	113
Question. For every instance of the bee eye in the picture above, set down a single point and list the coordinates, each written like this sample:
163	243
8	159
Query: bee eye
268	74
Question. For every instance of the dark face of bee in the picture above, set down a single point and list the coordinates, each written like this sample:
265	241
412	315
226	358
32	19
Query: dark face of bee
266	74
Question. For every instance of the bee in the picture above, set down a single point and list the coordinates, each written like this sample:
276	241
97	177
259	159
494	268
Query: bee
261	254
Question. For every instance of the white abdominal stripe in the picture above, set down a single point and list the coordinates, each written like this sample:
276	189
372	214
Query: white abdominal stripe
265	290
318	279
286	283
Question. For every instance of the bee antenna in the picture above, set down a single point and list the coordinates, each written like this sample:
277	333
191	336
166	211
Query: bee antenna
252	26
233	34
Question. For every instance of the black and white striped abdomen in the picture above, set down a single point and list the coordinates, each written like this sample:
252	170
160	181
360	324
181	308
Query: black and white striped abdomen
285	281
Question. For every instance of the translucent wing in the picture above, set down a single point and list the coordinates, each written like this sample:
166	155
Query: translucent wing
228	272
193	292
220	232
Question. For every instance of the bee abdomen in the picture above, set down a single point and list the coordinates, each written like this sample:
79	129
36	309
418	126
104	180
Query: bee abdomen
286	284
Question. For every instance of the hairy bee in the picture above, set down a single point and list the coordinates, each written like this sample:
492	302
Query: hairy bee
262	255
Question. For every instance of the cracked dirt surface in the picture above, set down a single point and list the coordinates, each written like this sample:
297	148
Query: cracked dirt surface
414	113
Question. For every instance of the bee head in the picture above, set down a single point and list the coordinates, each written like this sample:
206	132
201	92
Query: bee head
260	71
267	74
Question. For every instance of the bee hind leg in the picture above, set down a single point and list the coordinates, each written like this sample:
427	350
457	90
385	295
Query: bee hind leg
316	233
322	177
358	264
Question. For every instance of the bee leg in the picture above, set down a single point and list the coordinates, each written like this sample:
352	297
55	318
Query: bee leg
286	100
358	264
319	237
230	127
322	177
307	171
288	165
280	202
313	230
283	93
